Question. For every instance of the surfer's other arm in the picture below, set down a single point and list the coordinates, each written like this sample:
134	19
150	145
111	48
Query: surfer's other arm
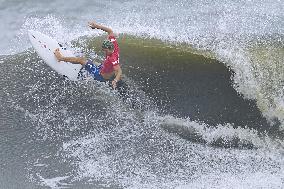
74	60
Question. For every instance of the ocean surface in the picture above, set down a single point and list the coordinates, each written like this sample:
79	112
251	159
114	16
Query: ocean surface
205	104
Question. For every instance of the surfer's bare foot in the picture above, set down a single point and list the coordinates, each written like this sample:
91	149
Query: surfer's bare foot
58	55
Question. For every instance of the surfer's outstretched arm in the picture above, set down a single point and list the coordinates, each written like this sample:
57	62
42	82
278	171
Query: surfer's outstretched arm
74	60
94	25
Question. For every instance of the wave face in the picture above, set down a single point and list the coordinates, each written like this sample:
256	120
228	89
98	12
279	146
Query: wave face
246	36
205	106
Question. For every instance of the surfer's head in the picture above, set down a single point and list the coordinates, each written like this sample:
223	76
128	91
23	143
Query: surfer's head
107	45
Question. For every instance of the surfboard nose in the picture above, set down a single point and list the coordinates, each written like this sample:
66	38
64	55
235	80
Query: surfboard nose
45	47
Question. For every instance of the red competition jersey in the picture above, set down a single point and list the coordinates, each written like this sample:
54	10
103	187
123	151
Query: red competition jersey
113	59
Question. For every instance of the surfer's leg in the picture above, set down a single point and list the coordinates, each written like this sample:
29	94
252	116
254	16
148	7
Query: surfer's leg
73	60
94	71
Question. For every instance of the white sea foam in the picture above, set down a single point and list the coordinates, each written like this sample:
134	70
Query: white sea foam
170	162
248	180
228	133
54	183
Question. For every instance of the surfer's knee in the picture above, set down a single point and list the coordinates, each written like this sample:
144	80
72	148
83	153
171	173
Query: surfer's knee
82	60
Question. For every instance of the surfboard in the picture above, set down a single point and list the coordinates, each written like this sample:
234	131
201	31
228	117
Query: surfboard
45	47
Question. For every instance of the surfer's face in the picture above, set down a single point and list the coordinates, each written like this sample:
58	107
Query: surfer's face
107	51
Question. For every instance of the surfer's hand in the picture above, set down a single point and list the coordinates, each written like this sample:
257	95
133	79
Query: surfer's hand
114	83
93	25
58	55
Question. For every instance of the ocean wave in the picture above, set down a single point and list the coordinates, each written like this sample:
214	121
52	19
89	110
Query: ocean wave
199	87
250	78
204	74
109	142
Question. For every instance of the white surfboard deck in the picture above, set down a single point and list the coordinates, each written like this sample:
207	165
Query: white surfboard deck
45	47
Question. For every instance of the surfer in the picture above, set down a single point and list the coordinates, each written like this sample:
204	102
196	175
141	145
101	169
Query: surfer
110	69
